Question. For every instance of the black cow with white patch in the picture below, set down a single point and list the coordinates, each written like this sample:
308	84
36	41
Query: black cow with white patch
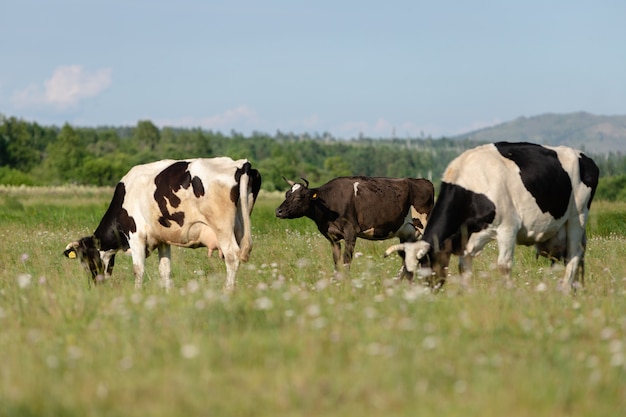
514	193
373	208
191	203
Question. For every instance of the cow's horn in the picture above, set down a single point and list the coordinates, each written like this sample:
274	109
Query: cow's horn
291	183
305	182
70	250
72	245
394	248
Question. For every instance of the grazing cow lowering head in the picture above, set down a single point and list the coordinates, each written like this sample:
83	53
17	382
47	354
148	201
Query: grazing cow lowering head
514	193
191	203
373	208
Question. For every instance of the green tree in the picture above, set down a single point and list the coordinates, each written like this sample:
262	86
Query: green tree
272	171
66	154
335	166
612	189
104	171
20	150
10	176
147	135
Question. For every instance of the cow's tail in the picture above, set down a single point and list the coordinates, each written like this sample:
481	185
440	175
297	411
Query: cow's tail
244	206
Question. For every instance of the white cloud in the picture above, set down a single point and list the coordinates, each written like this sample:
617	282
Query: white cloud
67	86
310	122
241	114
237	118
381	128
476	125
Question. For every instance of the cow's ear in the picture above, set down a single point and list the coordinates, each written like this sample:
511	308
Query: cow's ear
422	248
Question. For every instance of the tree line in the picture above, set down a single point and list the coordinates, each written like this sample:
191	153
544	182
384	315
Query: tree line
32	154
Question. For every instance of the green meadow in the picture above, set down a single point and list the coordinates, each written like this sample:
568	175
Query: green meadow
293	339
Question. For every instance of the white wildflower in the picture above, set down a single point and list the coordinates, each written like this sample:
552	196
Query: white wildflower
429	342
617	359
460	386
318	323
74	352
302	263
126	363
135	298
52	361
23	280
193	286
607	333
357	283
263	303
189	351
616	346
313	310
151	302
322	284
370	312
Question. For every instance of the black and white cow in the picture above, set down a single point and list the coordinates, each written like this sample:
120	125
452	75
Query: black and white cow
515	193
191	203
372	208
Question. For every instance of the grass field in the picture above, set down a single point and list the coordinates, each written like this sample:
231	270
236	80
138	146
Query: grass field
292	340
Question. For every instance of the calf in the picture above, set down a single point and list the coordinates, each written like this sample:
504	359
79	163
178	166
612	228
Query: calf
190	203
373	208
520	193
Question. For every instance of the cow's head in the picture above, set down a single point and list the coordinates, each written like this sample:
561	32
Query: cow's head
415	254
87	251
421	257
298	200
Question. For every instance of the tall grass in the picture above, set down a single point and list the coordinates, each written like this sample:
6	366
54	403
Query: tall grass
295	340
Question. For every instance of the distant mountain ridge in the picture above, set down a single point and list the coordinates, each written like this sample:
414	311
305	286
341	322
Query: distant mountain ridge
586	131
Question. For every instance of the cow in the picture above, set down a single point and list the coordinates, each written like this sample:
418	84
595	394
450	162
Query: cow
189	203
515	193
373	208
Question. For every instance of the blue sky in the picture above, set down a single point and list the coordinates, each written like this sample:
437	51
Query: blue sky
403	68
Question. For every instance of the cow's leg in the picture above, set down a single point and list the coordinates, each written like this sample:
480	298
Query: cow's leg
138	253
165	254
571	278
407	233
109	262
231	253
139	262
336	250
576	242
581	267
465	269
507	239
232	265
405	272
476	243
348	251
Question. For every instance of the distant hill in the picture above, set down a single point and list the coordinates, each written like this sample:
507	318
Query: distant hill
591	133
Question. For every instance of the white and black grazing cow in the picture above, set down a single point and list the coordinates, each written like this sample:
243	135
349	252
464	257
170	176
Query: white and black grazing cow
372	208
515	193
191	203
